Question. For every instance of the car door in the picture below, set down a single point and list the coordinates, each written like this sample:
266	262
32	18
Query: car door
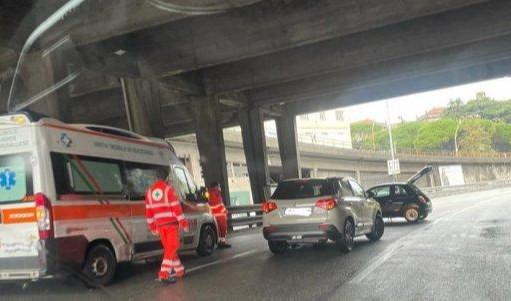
355	202
366	207
383	197
400	197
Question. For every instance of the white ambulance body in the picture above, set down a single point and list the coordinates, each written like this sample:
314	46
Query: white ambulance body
72	197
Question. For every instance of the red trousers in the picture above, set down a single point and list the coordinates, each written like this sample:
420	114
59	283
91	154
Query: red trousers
221	220
171	265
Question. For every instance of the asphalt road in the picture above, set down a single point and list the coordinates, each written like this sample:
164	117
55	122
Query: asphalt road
461	252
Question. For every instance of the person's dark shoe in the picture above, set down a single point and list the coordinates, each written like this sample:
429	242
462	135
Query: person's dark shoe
169	280
224	245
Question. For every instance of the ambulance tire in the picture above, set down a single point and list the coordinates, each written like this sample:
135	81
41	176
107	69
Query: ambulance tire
207	241
100	266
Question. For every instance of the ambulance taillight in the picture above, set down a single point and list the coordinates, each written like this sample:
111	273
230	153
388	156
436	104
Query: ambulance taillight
44	216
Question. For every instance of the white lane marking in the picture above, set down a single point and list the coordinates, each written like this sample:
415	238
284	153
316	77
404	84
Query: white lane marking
393	248
223	260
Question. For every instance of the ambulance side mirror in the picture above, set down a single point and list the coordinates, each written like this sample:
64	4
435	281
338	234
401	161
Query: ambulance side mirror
203	195
191	197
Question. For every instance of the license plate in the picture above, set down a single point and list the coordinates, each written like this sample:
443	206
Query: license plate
298	211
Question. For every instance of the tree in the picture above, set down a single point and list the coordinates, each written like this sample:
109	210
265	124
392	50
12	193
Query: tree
476	135
454	109
363	132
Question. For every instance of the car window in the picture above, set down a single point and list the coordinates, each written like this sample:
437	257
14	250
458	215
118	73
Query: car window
346	188
381	192
357	189
400	190
302	189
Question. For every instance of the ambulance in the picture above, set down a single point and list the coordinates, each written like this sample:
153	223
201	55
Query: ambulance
72	199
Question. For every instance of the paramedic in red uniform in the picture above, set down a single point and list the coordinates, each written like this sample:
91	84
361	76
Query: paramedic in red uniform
165	217
219	212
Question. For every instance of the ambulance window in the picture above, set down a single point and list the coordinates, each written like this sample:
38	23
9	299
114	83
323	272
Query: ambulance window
87	175
91	176
15	178
181	178
140	177
191	183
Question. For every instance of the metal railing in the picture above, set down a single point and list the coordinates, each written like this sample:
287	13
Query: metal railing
321	141
249	215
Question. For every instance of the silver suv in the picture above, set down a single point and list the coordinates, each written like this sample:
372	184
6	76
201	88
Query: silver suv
318	210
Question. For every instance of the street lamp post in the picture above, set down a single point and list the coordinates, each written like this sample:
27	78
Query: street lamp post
389	126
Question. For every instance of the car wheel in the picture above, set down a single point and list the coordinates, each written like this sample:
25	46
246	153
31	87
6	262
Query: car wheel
378	229
206	241
346	242
278	247
411	214
100	265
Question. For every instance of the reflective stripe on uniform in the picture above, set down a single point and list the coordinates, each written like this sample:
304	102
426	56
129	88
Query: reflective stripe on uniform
163	214
175	203
166	196
150	220
181	217
153	206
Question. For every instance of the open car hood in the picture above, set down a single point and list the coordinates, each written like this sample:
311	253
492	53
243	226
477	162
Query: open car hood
424	171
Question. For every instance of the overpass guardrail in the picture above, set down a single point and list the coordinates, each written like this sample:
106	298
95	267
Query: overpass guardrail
249	215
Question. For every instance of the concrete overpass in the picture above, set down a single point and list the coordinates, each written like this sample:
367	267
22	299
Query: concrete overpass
165	68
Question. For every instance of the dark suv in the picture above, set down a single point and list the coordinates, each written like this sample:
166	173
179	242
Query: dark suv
403	199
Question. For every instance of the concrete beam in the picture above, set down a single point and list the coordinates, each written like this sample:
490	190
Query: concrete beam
453	58
98	106
254	145
288	146
432	81
210	141
272	26
106	19
413	37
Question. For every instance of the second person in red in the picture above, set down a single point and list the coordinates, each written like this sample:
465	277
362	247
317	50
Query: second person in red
219	212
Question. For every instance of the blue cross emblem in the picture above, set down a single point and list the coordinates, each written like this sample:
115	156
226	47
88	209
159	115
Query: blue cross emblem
7	179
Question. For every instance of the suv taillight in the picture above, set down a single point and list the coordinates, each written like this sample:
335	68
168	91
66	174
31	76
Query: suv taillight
327	204
422	200
269	206
44	216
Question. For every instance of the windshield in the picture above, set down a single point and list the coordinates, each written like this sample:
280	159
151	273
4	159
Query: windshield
303	189
15	178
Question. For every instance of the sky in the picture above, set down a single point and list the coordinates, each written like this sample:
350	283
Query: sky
411	106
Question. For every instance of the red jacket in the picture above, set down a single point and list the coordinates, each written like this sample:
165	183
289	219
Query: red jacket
215	202
163	207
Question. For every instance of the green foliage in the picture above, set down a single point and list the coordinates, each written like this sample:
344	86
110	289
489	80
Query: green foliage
437	134
484	125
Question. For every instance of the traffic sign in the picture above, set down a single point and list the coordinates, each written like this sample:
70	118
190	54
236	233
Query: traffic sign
393	167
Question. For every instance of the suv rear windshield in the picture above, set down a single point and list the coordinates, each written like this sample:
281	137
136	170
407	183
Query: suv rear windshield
15	178
303	189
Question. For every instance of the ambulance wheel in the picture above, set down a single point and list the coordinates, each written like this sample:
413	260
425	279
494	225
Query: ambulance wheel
206	241
100	266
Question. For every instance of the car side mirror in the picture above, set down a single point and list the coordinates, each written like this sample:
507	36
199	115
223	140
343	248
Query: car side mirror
370	194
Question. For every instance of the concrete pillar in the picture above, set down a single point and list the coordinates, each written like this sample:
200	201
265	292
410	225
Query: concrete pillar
210	141
143	107
254	145
37	74
288	146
